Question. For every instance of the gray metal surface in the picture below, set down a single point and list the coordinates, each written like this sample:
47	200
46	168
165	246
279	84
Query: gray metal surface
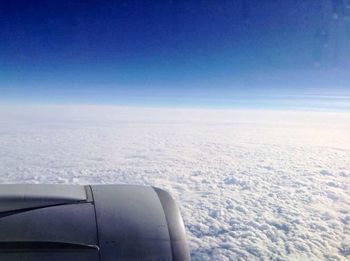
50	256
131	223
22	196
91	223
177	234
67	224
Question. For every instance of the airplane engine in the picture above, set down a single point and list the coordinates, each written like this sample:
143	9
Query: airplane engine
88	223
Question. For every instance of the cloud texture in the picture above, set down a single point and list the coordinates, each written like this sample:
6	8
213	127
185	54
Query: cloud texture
254	185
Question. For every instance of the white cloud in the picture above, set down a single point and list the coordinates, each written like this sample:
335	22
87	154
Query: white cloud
250	184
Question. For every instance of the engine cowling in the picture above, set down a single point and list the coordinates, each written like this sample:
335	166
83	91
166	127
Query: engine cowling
97	222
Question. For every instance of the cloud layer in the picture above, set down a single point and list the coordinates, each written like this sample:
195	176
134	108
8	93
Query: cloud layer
254	185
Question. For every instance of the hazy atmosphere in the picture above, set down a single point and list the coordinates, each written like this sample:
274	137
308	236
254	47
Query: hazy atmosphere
240	109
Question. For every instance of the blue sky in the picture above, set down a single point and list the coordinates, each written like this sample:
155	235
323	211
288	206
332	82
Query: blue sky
246	53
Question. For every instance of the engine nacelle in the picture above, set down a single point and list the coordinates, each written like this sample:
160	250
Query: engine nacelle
89	223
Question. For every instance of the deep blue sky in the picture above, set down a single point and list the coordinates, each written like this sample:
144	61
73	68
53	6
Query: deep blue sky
216	53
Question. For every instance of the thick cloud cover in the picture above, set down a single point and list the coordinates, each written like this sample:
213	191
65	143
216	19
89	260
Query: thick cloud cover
250	184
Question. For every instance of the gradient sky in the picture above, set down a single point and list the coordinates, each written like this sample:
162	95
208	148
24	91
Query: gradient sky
210	53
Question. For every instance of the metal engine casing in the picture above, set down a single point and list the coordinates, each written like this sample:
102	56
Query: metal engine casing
97	222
